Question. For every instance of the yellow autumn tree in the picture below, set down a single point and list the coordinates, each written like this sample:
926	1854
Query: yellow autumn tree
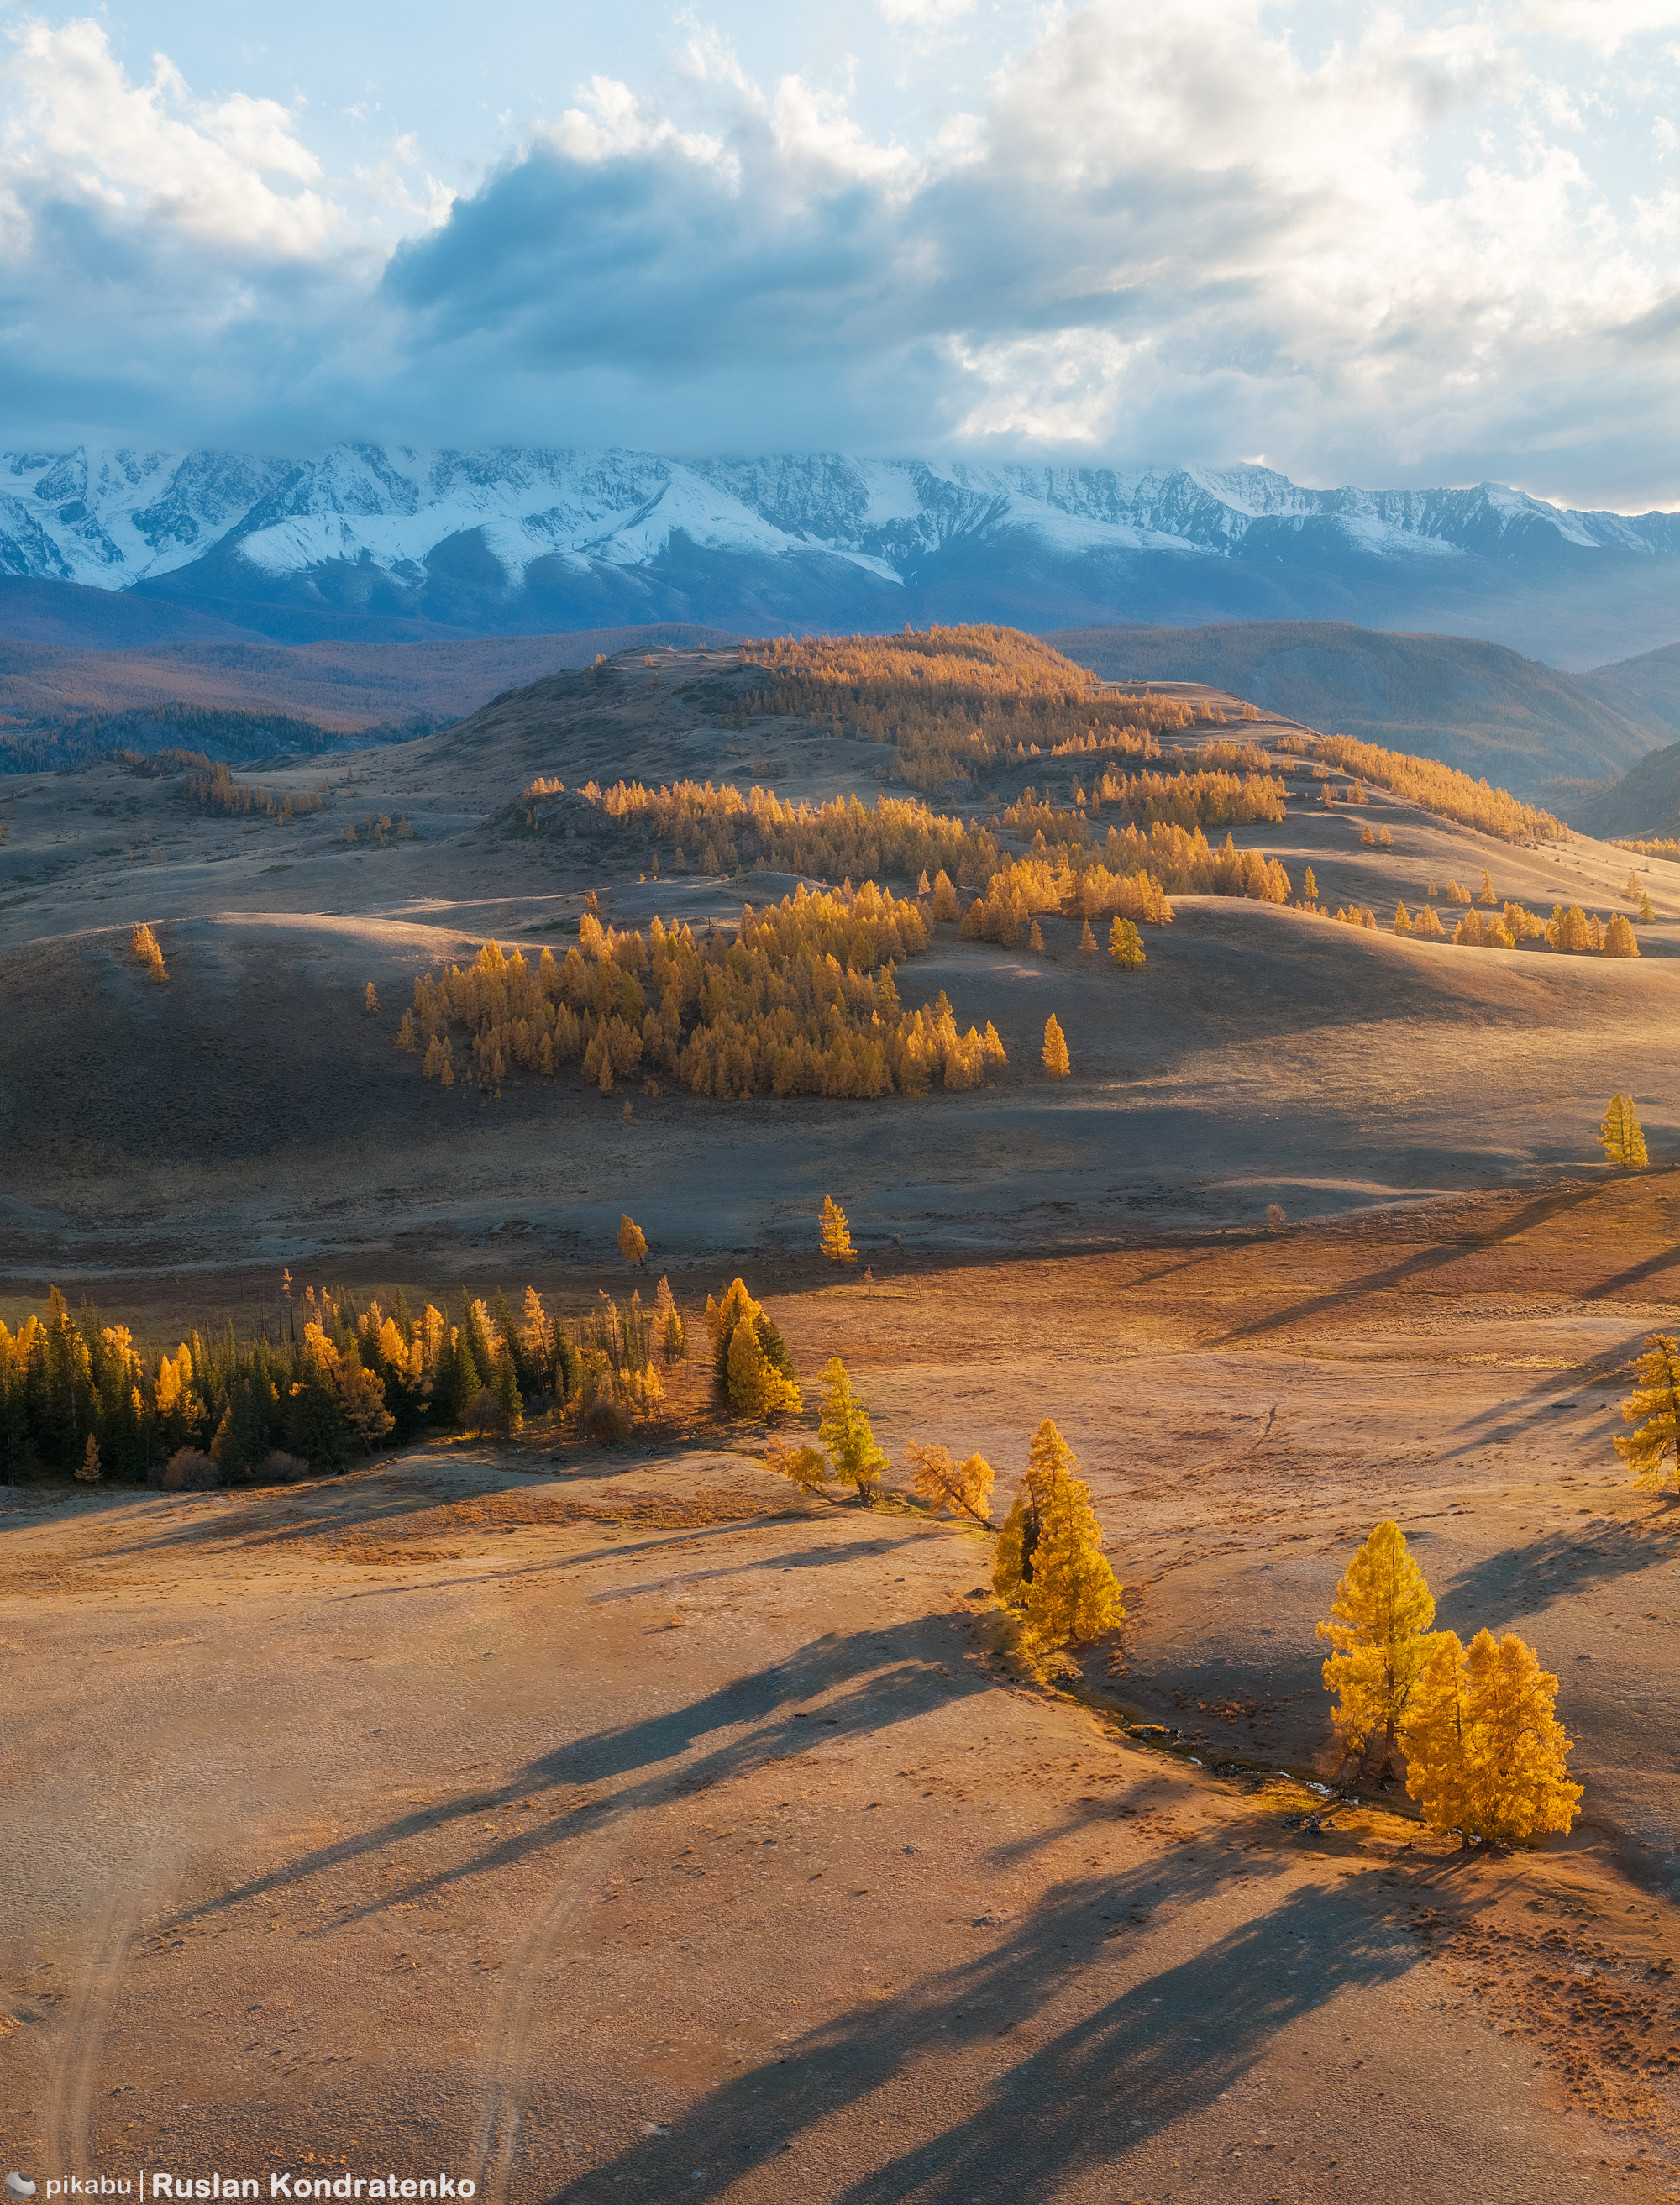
1087	940
1653	1410
960	1489
1485	1751
945	898
845	1431
836	1233
754	1372
371	1000
1055	1059
1125	945
1050	1557
632	1240
1379	1628
1621	1135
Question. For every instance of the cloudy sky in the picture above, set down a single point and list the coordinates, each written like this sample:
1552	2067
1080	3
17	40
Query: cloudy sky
1384	244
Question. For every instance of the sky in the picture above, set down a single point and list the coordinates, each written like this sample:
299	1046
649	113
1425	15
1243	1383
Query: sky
1396	245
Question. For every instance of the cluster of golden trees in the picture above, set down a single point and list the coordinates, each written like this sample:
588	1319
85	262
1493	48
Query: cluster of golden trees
1198	798
801	1000
1658	849
951	701
722	831
1441	789
1571	932
222	792
1485	1752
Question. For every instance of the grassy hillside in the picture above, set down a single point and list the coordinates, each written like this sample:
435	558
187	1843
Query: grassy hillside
1646	803
1644	690
1474	706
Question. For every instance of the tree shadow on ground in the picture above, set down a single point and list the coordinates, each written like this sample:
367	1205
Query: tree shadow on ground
1046	2093
1523	1580
862	1682
1340	1299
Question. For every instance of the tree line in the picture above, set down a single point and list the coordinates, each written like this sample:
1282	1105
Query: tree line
80	1396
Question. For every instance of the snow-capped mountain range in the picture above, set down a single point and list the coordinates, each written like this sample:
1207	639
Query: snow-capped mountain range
368	536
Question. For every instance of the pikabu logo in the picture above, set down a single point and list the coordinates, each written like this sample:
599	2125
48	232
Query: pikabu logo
147	2188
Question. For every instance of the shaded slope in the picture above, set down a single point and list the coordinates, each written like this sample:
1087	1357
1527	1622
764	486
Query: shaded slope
1474	706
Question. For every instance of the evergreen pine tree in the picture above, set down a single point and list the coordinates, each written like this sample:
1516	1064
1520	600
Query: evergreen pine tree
1379	1629
1653	1408
1054	1058
509	1403
845	1431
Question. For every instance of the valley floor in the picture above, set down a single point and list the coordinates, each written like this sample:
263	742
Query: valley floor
630	1825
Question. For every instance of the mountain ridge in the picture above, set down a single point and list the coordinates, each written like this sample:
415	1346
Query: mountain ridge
377	542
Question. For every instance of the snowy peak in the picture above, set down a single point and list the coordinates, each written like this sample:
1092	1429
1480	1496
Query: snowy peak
110	517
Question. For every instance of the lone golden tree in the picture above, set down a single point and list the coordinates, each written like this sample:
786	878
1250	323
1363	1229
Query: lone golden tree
371	1000
836	1233
1378	1627
1050	1557
1055	1059
1125	945
1484	1750
1621	1135
1647	910
87	1470
1087	940
1308	887
632	1240
960	1489
1633	890
845	1431
1653	1410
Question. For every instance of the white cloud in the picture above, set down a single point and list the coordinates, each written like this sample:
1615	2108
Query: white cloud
79	131
1436	245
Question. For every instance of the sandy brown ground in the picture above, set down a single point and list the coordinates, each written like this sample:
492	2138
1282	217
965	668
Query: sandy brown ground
630	1825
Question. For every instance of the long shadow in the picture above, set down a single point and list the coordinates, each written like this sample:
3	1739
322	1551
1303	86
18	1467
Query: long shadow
1425	1261
665	1753
1079	2098
1522	1580
254	1525
1634	1276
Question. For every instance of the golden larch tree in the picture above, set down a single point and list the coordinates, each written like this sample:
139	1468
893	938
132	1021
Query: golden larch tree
1378	1627
1087	940
960	1489
632	1240
836	1233
1308	887
1125	945
1050	1557
945	897
1653	1410
1485	1751
371	1000
845	1431
1055	1058
1621	1135
87	1470
1647	910
1632	891
1487	895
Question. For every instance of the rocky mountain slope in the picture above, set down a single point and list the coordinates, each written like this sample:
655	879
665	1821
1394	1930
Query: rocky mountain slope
373	543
